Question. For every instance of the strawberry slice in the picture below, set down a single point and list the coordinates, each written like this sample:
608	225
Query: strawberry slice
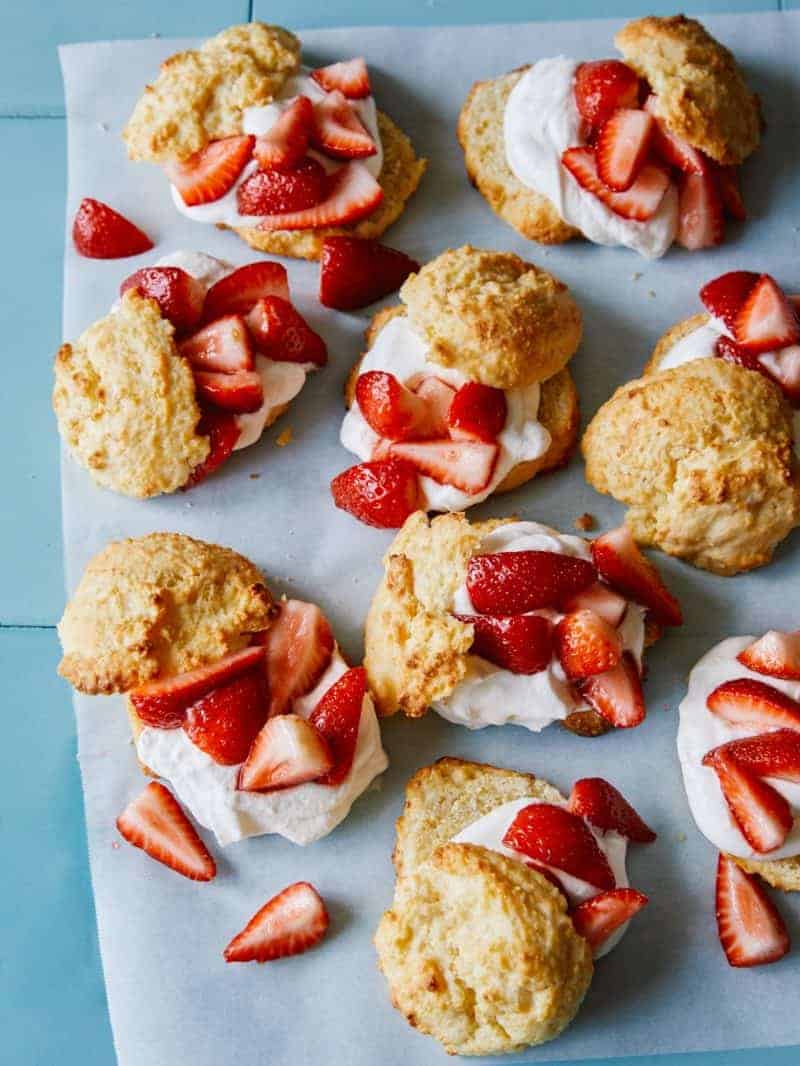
620	562
623	146
280	332
337	130
155	822
783	367
701	223
731	352
353	194
751	931
240	391
393	411
748	702
521	643
208	174
586	645
288	751
766	320
351	78
775	654
223	345
437	394
466	465
604	807
274	192
337	716
285	143
762	814
288	924
724	296
163	703
356	271
382	493
598	598
299	647
731	193
222	430
515	582
617	695
178	295
640	202
601	87
477	412
100	232
765	755
240	290
673	149
597	918
226	721
561	840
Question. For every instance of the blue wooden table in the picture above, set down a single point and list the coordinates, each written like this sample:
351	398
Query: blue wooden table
52	1002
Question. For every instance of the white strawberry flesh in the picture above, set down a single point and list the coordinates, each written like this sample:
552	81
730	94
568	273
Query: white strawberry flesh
751	931
622	147
240	391
337	130
767	320
222	346
639	203
466	465
288	751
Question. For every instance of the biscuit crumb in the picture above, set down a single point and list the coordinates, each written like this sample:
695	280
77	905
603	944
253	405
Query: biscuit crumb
254	477
651	292
585	522
284	438
636	276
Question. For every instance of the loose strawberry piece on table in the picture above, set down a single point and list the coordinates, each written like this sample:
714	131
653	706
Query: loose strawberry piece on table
223	345
729	190
288	924
240	391
178	295
598	598
356	271
381	493
280	332
466	465
521	643
783	367
586	645
299	645
673	149
639	203
745	701
762	814
239	291
701	223
623	146
765	755
286	142
597	918
353	194
337	716
350	77
775	654
515	582
100	232
617	694
766	320
751	931
724	296
606	808
208	174
620	562
394	411
288	751
225	722
477	412
438	395
222	430
274	192
561	840
338	131
602	86
155	822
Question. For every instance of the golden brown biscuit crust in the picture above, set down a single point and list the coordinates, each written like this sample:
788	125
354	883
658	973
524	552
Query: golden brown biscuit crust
783	874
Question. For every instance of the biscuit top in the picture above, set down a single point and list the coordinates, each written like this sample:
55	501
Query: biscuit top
156	606
201	95
702	95
497	319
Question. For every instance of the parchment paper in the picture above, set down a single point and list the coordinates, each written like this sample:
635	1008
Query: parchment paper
667	987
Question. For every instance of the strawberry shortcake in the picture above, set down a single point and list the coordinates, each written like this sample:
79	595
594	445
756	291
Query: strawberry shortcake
640	153
509	621
192	363
486	855
284	155
464	389
244	705
703	448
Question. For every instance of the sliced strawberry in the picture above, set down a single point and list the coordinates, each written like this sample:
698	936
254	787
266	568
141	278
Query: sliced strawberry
226	721
223	345
155	822
586	645
438	395
748	702
724	296
640	202
765	755
701	223
617	695
775	654
240	391
598	598
337	716
521	643
210	173
240	290
602	86
299	647
350	77
466	465
673	149
274	192
732	202
783	367
285	143
353	194
766	320
178	295
99	232
597	918
561	840
477	412
393	411
337	130
288	751
222	430
751	931
760	811
280	332
381	494
620	562
514	582
731	352
623	146
288	924
355	272
606	808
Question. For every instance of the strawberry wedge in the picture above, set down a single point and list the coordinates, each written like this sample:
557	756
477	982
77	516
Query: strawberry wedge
607	809
337	130
745	701
751	931
286	142
639	203
299	645
350	77
288	924
288	751
156	823
394	411
504	583
222	346
560	840
353	194
597	918
623	146
521	643
620	562
617	694
466	465
239	291
765	755
210	173
775	654
762	814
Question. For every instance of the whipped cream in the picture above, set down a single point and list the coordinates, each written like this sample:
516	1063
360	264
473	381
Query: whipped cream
302	813
489	831
699	731
490	695
400	351
541	121
259	120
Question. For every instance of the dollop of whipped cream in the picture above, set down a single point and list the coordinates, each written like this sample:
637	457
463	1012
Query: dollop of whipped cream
699	731
258	120
302	813
490	695
488	832
541	121
400	351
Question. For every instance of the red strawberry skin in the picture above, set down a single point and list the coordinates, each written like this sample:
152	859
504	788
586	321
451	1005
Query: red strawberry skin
477	412
606	808
356	271
639	202
239	291
156	823
337	716
586	644
210	173
240	391
223	345
222	430
299	645
622	147
620	562
521	643
99	232
762	814
273	192
280	332
178	295
765	755
775	654
383	493
283	146
559	839
701	221
751	931
597	918
617	694
602	86
504	583
766	320
723	297
288	924
350	77
225	723
393	411
745	701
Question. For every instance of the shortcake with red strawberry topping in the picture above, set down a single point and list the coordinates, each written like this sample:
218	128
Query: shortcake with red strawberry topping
246	706
509	621
282	154
640	153
194	361
464	389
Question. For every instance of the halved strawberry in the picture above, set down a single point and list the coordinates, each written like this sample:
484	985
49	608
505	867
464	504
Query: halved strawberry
783	367
286	142
598	598
393	411
728	181
288	924
606	808
225	722
562	841
765	755
178	295
353	194
100	232
731	352
299	646
767	320
760	811
356	271
520	643
437	394
514	582
597	918
602	86
280	332
673	149
350	77
477	412
338	131
775	654
701	223
622	147
240	391
724	296
382	493
586	645
745	701
223	345
210	173
222	430
288	751
273	192
621	563
466	465
640	202
751	931
617	695
337	716
155	822
240	290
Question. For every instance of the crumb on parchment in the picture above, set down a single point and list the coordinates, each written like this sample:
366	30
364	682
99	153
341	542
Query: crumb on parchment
284	438
585	522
